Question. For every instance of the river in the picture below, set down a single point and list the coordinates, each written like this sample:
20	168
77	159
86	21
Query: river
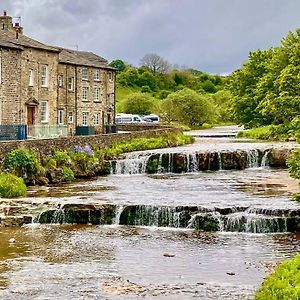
151	247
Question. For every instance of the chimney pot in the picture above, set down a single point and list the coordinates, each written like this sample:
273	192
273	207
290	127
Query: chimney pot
4	13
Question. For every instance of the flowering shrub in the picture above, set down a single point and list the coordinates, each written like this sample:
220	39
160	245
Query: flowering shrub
84	158
86	150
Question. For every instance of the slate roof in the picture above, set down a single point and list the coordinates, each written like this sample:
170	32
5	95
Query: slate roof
8	39
82	58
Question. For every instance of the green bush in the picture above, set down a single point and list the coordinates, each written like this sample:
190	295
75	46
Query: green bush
283	284
11	186
67	174
139	144
260	133
293	164
62	158
23	163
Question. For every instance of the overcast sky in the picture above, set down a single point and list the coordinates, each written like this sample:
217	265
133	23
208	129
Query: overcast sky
210	35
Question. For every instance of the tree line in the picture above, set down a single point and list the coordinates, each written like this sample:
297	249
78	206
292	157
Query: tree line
184	95
266	89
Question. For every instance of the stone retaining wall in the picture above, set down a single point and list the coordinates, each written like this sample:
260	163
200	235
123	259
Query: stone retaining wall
140	127
45	146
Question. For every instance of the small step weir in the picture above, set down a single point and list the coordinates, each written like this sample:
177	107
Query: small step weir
173	162
227	219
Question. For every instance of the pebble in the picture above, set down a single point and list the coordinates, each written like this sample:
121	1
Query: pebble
230	273
168	254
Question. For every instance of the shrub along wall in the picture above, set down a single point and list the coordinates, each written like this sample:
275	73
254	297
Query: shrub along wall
45	146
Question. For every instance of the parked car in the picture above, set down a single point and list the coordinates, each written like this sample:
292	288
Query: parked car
128	118
151	118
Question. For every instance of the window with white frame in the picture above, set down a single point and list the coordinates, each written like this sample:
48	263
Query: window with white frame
85	117
85	93
97	119
44	111
85	73
61	116
44	75
96	94
70	117
97	74
71	84
31	78
60	80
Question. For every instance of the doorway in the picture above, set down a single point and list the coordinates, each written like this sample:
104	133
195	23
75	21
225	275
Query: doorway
30	119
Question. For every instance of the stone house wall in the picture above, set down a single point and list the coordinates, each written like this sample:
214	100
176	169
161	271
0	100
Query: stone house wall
34	59
71	101
10	91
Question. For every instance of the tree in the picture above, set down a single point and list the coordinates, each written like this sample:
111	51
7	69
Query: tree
118	64
139	103
187	107
155	63
223	102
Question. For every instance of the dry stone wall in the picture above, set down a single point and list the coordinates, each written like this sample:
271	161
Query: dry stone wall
45	146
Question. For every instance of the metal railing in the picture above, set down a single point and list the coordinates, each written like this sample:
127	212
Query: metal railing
47	131
13	132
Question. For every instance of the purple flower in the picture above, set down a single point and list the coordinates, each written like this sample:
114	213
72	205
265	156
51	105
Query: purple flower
85	150
88	150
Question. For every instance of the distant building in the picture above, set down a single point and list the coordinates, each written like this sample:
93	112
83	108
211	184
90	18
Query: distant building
44	85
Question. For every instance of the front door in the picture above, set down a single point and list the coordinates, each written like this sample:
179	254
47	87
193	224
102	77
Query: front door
30	118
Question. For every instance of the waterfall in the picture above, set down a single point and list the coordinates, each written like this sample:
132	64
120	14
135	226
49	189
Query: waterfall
249	221
192	163
265	159
119	210
59	215
253	158
160	168
220	161
133	163
229	219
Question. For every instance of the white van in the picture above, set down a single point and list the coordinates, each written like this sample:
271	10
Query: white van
128	118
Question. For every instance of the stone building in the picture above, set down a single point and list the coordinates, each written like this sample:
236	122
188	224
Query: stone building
42	85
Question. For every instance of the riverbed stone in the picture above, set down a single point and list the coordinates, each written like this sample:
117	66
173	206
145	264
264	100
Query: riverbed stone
278	157
293	224
205	222
179	163
79	214
12	221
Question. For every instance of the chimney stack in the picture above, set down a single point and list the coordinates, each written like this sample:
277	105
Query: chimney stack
18	28
6	22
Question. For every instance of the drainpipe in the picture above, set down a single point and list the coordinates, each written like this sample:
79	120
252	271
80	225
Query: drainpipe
114	111
76	98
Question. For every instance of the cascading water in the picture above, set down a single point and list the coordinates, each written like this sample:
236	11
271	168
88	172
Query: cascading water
265	159
249	220
133	163
252	158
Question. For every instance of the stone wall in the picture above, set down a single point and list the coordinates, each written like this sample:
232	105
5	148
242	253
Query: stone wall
45	146
10	86
140	127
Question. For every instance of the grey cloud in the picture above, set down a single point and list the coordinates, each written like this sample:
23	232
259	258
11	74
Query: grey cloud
212	35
